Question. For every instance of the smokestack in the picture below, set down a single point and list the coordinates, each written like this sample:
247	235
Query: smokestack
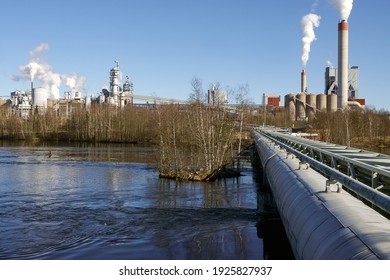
342	87
303	82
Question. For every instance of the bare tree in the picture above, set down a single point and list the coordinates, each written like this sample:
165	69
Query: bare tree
202	130
243	106
197	93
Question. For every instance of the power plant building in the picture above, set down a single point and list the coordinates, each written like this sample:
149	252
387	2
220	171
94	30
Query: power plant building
271	100
331	81
216	96
303	105
341	86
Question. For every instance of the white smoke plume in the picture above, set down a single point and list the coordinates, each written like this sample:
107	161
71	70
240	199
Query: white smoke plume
308	23
344	7
30	70
52	81
74	82
41	48
37	70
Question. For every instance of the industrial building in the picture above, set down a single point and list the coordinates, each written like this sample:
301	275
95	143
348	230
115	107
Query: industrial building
24	103
217	96
331	81
303	106
341	86
116	95
271	100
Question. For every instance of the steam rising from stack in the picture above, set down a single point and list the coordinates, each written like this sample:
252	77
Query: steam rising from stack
74	82
39	70
308	23
344	7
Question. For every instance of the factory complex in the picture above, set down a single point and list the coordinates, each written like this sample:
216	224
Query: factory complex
341	90
38	99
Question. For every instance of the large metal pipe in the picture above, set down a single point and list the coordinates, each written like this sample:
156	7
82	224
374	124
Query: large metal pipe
321	221
377	198
342	87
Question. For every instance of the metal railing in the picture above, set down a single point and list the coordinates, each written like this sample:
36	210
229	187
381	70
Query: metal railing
367	180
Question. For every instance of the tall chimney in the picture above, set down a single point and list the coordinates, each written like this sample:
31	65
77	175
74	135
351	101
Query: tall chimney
342	83
303	82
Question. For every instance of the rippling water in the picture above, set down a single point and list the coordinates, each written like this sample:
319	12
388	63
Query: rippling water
108	203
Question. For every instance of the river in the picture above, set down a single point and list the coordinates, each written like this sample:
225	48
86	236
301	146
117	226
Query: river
108	202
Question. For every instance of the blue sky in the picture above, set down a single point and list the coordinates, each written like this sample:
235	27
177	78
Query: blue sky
163	45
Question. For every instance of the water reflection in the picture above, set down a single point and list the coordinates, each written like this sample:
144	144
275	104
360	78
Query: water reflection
218	194
108	203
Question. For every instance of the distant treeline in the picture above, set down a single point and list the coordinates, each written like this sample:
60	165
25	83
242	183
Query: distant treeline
357	128
195	141
97	124
367	129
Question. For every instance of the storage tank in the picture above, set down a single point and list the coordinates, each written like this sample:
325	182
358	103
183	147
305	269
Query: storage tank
88	101
39	98
311	102
331	103
301	106
101	98
321	102
289	104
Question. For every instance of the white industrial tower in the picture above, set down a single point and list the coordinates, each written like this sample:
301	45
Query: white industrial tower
114	84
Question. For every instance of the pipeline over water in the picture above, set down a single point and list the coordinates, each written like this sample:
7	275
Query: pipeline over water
321	220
